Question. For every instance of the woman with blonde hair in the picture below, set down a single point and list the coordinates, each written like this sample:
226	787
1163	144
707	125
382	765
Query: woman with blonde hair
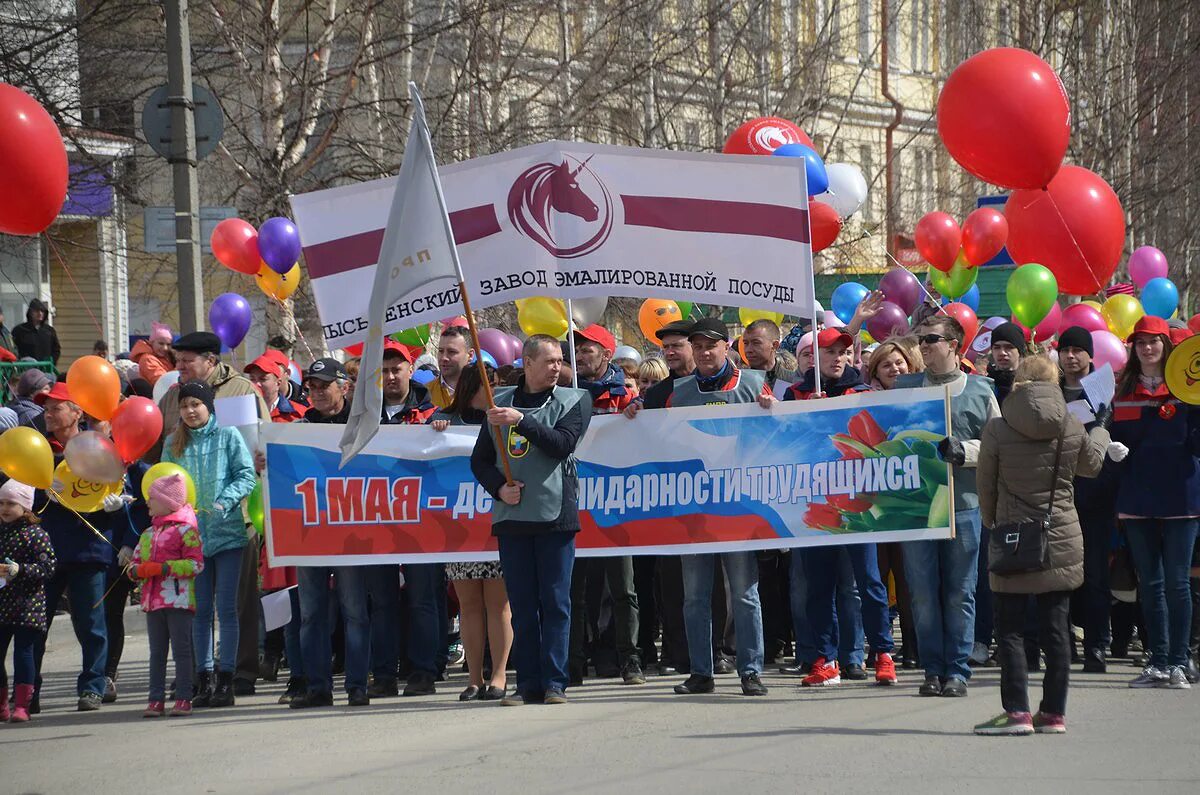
895	357
650	372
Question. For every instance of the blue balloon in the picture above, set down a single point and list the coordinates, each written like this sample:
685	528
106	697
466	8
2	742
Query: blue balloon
488	359
846	298
1160	297
814	166
423	376
970	298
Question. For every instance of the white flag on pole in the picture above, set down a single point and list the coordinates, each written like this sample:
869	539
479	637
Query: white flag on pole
418	248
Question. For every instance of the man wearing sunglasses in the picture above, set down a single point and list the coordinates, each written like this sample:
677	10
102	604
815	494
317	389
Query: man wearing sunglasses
942	574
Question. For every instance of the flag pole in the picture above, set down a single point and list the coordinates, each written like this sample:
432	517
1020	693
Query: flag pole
462	285
812	280
571	343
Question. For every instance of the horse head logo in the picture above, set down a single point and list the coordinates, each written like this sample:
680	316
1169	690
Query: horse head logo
770	137
547	188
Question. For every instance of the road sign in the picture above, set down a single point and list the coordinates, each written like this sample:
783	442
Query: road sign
156	122
160	227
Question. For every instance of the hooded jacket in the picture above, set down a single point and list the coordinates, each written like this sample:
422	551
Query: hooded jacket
1013	474
23	599
151	366
174	540
37	342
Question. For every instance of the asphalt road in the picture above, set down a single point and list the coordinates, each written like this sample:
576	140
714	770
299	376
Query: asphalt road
610	738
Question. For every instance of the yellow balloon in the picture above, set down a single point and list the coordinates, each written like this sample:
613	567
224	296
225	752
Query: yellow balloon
83	495
275	286
161	470
748	316
541	315
1121	313
25	456
1093	304
1183	371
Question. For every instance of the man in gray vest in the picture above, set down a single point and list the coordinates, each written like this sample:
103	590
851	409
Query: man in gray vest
942	574
535	516
716	382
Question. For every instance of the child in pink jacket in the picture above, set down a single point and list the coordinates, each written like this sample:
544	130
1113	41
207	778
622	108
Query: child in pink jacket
167	559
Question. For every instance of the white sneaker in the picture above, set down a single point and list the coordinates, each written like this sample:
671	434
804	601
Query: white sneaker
1176	679
979	654
1151	677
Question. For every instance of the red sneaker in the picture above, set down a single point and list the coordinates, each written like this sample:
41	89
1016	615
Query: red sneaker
154	710
182	708
1049	723
823	673
885	669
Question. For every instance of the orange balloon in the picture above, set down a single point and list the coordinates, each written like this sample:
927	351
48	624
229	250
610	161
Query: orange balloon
95	386
656	313
277	286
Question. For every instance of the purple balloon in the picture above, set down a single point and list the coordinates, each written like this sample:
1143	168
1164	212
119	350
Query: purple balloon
901	288
279	244
230	317
890	320
498	344
1146	263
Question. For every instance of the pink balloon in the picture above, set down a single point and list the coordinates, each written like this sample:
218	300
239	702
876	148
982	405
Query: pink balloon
1107	349
1146	263
1084	316
498	344
1047	328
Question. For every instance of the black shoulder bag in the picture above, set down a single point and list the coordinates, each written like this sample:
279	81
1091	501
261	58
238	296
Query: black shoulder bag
1023	547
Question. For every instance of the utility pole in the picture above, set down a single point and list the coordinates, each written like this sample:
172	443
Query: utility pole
183	166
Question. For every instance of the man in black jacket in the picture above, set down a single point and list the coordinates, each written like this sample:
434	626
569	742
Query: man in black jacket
36	338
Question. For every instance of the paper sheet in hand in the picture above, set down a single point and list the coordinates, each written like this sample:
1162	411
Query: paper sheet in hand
781	387
1082	411
1100	386
277	608
235	411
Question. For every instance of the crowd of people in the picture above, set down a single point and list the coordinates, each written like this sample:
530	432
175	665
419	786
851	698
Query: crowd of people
1112	501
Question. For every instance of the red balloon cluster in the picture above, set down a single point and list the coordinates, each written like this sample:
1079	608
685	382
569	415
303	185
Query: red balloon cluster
939	239
33	161
762	136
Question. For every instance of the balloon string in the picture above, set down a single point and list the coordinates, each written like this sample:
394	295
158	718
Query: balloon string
287	310
63	263
86	523
920	282
1074	241
124	573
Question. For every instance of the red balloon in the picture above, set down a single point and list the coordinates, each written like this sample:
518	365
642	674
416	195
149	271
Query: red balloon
1003	115
938	240
33	161
1046	328
983	235
764	135
136	427
1194	323
235	245
824	225
966	318
1076	228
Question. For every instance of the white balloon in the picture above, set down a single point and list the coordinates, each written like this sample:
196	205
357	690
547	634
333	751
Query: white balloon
586	311
847	190
164	384
627	352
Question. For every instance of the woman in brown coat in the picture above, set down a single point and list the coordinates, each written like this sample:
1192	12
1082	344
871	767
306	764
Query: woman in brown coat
1015	469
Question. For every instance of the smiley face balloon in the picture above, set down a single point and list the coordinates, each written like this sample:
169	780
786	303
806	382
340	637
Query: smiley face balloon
655	314
1183	371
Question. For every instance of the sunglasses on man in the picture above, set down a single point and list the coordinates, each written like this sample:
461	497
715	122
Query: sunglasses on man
931	339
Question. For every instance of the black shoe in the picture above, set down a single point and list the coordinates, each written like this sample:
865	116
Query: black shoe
696	684
799	669
554	696
420	684
35	706
472	693
1094	662
89	702
296	686
1192	671
359	698
752	685
382	688
910	663
931	687
268	668
110	690
854	672
723	665
954	688
203	689
492	693
222	695
1118	650
243	687
632	674
306	700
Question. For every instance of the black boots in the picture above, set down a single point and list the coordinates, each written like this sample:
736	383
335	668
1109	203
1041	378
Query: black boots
223	693
203	697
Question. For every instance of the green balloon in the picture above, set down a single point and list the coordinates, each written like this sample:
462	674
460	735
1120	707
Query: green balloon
955	283
413	336
685	309
1032	290
254	507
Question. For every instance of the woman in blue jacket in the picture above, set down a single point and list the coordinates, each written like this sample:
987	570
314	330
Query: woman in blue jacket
1159	498
220	464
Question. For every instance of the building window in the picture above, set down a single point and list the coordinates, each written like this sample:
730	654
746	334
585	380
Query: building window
866	161
920	35
864	30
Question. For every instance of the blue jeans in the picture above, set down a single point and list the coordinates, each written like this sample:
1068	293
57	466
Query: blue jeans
537	574
24	670
225	569
1162	553
941	577
383	592
984	620
84	586
827	574
847	609
741	578
315	631
425	585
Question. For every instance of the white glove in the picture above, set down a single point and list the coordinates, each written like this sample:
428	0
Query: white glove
124	556
113	503
1117	451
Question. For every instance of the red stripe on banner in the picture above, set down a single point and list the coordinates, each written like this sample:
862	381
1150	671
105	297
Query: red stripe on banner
358	251
714	215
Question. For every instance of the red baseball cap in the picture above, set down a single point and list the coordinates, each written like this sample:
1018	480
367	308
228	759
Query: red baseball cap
57	392
832	336
1178	335
269	364
1149	324
404	351
599	335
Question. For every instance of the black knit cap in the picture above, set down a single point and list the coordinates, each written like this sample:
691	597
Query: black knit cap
1010	333
199	390
1076	337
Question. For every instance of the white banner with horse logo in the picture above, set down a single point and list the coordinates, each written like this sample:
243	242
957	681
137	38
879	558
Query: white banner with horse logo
576	220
